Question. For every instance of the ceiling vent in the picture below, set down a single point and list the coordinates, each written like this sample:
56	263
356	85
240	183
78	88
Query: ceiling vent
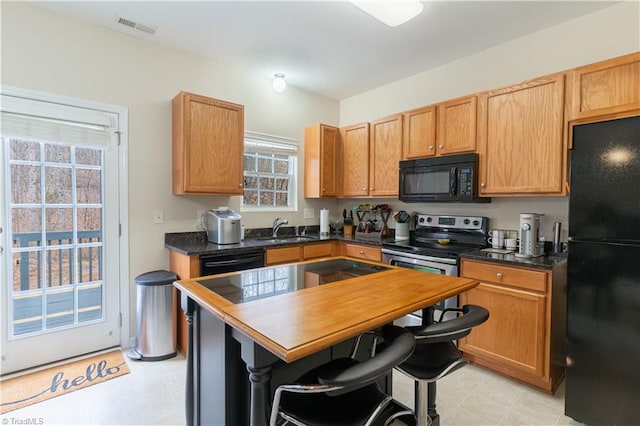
136	26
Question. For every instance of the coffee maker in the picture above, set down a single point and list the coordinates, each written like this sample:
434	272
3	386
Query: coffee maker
530	244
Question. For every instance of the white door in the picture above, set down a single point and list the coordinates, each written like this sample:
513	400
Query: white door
60	232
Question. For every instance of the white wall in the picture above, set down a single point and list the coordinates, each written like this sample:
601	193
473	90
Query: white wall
47	52
604	34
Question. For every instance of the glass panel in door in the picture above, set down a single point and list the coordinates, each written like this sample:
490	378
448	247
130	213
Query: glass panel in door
57	287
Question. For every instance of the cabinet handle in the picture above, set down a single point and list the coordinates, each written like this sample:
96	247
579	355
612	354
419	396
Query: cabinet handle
499	275
440	146
370	189
324	189
364	189
240	186
430	147
482	184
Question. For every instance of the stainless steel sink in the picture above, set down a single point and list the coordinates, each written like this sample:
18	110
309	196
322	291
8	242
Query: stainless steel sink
285	239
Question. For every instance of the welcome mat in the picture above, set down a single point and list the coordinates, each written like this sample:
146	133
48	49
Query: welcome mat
41	385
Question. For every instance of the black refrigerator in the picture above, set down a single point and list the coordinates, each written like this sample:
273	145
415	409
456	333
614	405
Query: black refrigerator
603	282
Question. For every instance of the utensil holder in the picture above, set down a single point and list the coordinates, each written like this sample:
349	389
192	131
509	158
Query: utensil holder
402	231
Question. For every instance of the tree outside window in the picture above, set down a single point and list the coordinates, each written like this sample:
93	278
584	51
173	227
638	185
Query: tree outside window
269	173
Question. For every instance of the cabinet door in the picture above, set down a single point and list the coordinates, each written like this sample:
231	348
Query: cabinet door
521	140
355	160
420	133
320	172
276	256
208	145
604	88
312	251
457	125
514	334
385	152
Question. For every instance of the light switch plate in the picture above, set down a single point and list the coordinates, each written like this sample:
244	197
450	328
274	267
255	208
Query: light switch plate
308	213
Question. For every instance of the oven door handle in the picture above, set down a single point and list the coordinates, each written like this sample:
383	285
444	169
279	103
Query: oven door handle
404	255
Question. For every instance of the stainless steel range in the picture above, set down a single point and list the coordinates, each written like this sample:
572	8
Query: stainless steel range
434	245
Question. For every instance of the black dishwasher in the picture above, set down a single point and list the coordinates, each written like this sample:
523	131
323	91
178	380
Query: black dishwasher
211	264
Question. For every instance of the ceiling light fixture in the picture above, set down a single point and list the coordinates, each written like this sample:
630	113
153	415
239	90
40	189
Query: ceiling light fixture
392	13
279	84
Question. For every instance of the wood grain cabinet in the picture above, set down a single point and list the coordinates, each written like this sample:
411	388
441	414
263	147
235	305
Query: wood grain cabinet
321	144
524	335
605	88
370	153
446	128
420	132
521	139
385	151
289	254
354	147
360	251
457	125
208	145
184	266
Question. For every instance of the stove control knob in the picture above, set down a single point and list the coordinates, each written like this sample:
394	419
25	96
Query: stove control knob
422	220
429	220
466	221
476	222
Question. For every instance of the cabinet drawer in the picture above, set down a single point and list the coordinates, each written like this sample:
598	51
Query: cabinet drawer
312	251
282	255
363	252
500	274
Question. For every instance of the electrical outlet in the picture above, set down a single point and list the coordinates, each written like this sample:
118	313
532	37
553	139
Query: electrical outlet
158	216
308	213
200	217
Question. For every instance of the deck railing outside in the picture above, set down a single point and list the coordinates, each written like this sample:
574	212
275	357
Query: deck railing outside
90	267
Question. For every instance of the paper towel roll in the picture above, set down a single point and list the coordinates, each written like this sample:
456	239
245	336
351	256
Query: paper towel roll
324	221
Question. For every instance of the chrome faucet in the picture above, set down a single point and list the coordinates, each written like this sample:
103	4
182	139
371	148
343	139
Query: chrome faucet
277	224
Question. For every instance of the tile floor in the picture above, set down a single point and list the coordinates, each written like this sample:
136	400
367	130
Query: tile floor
153	394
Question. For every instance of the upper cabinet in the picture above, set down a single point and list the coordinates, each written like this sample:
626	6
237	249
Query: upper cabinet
385	152
457	125
420	132
321	144
355	160
605	88
446	128
208	145
521	140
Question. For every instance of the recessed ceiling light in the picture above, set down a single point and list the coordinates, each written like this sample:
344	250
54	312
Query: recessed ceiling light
392	13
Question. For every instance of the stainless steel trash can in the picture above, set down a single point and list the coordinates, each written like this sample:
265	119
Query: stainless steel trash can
155	333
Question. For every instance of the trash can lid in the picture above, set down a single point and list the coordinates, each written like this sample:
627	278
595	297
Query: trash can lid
156	278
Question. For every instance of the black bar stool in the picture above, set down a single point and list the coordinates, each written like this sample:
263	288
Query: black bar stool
344	391
436	355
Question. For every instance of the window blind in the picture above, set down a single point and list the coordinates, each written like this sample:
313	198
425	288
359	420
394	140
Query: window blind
269	144
46	121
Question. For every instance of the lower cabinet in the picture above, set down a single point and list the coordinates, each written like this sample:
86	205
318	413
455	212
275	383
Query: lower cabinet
524	336
360	251
279	255
184	266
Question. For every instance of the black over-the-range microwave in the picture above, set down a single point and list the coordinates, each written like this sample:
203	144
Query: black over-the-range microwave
450	178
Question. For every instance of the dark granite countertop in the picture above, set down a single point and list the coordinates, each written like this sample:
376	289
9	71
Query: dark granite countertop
543	262
195	243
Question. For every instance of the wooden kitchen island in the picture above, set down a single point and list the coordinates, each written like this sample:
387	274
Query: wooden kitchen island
277	322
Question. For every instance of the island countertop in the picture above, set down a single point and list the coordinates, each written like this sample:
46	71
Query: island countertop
295	324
